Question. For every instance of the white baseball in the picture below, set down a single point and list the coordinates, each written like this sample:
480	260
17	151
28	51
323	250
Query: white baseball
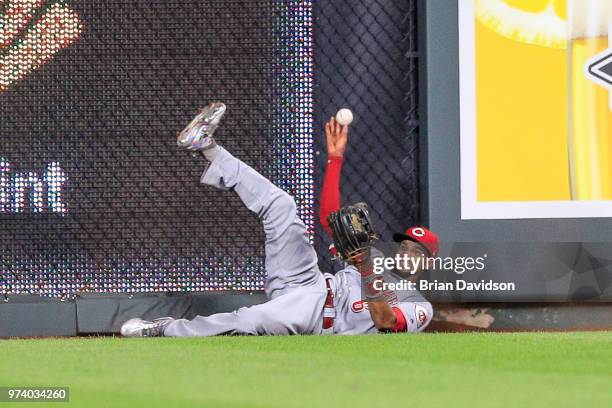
344	117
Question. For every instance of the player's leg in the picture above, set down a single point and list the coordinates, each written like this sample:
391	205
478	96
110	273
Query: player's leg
297	312
290	259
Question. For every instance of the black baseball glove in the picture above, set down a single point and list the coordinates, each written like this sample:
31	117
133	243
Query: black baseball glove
352	230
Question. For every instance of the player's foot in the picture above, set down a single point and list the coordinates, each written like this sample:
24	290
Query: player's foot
143	328
198	135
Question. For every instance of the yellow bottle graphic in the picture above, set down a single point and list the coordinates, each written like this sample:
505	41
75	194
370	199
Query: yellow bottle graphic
544	128
590	130
522	101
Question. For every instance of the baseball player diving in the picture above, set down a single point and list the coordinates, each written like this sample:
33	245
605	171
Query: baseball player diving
301	300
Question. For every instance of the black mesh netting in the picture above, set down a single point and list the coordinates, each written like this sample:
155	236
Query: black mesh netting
366	59
97	122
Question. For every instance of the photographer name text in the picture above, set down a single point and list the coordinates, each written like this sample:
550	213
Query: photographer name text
457	285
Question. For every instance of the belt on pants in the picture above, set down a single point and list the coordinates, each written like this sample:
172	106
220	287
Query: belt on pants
329	312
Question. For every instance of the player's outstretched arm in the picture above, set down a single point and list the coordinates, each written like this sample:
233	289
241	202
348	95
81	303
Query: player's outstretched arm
353	233
337	139
382	314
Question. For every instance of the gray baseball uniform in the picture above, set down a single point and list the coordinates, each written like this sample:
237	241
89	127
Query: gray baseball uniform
352	315
294	285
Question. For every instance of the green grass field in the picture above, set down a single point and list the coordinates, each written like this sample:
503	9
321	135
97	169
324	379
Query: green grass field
426	370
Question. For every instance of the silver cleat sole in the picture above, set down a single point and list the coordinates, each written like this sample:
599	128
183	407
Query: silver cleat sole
197	136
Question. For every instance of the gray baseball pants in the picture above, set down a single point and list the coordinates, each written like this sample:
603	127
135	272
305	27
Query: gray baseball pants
294	285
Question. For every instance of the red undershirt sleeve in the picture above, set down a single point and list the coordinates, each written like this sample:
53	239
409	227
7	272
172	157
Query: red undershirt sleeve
401	325
330	194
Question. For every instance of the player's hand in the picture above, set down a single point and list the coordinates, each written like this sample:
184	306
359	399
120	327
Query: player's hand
337	138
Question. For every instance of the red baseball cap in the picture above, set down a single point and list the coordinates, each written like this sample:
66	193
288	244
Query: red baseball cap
421	235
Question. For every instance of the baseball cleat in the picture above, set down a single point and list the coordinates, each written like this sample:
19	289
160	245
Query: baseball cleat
138	327
198	135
